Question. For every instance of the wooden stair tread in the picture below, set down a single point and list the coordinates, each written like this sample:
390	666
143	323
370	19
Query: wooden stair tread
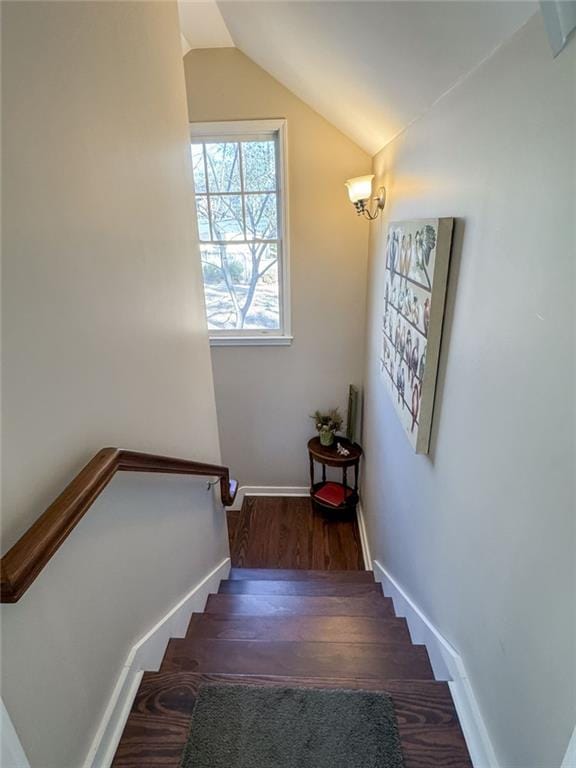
298	605
388	661
361	629
159	722
314	588
280	574
321	629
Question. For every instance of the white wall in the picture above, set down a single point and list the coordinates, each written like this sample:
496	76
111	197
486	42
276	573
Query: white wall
481	532
264	395
104	343
143	545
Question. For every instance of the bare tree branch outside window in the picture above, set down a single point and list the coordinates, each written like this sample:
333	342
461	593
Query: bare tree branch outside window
237	203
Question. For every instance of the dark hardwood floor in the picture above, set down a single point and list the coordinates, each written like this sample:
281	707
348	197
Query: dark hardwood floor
331	629
366	661
284	532
296	610
159	722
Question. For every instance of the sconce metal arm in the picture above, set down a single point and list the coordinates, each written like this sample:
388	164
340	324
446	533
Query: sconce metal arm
368	214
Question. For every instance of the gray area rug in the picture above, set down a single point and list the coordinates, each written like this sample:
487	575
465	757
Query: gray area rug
242	726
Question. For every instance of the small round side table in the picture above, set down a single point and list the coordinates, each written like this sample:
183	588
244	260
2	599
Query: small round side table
328	456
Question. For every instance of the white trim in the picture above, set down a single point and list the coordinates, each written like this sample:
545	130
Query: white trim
284	213
223	129
363	537
251	341
268	490
264	129
12	753
447	665
146	655
570	756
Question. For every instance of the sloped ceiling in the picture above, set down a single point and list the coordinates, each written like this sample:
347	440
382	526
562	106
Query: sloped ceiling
202	26
371	68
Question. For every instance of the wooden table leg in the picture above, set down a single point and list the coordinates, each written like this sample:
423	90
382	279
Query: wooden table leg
311	473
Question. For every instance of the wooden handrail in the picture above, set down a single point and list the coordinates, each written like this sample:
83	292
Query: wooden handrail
22	564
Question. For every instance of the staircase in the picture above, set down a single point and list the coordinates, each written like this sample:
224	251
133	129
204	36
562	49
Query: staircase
327	629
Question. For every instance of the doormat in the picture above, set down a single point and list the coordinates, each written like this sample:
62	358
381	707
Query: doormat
243	726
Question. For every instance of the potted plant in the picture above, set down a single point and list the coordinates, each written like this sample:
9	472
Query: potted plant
327	424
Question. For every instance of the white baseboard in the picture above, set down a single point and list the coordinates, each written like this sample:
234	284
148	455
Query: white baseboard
570	756
12	754
268	490
447	665
364	537
146	655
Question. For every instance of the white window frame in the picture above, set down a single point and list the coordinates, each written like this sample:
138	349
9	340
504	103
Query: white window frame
239	130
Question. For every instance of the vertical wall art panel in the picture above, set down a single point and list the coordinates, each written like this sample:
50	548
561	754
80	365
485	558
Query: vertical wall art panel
417	259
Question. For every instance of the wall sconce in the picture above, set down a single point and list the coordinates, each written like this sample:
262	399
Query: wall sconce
360	192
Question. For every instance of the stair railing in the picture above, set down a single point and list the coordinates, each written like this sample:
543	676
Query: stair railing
25	560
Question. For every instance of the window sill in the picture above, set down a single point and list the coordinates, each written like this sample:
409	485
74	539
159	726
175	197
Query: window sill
251	341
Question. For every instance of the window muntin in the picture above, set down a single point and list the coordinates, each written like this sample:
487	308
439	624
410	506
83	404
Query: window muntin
241	208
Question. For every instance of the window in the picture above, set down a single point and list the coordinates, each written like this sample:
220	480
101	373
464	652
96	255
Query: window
241	202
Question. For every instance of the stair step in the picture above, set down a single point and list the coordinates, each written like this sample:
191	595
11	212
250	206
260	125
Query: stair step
298	605
356	629
378	661
319	588
283	574
159	722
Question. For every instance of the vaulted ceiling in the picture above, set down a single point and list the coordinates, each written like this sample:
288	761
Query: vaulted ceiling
202	25
370	68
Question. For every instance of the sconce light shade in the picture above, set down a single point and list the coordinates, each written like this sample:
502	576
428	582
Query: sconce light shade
360	194
359	188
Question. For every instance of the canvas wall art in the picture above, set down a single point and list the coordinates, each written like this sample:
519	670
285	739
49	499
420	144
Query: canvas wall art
417	261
